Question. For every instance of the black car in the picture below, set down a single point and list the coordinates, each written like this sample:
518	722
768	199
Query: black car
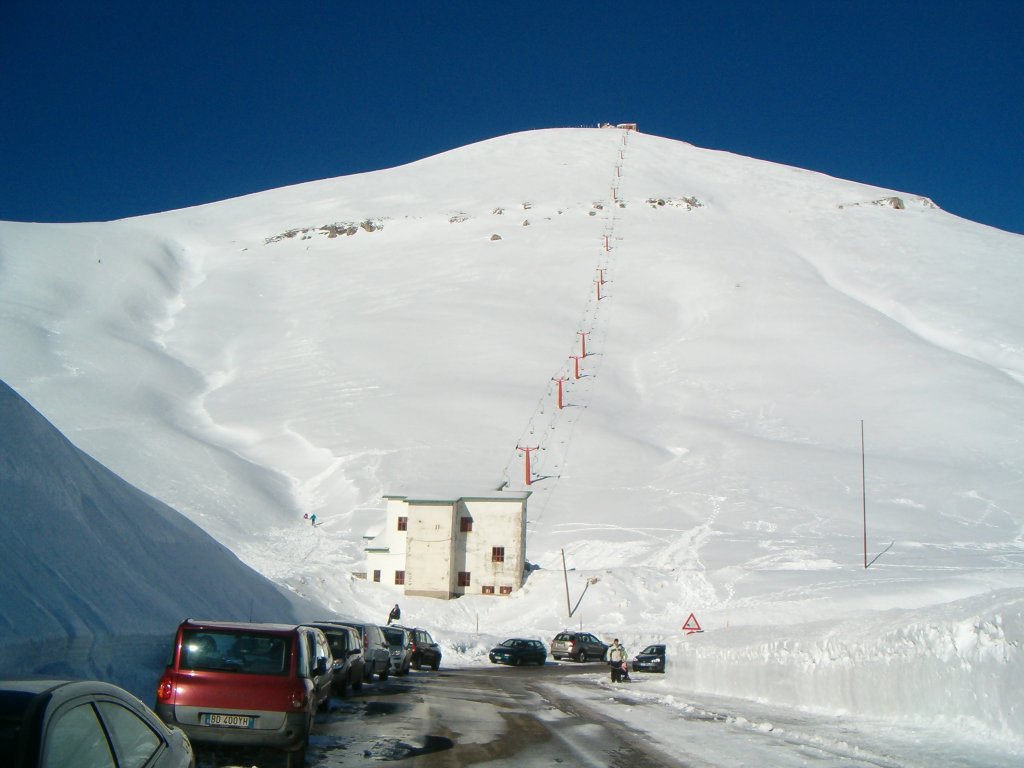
84	722
517	651
650	659
425	652
578	646
347	649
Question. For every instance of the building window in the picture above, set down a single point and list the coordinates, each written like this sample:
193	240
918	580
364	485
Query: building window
466	524
506	590
376	576
403	523
399	577
487	590
497	554
463	578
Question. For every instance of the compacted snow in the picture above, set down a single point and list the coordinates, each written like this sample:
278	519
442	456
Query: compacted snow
309	349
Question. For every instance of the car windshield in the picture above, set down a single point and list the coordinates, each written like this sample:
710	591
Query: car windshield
652	649
512	643
245	652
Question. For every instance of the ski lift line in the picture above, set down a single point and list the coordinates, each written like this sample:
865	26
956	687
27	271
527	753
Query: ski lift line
591	309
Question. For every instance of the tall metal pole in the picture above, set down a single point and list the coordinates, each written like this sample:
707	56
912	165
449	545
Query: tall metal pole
560	379
526	450
864	493
565	573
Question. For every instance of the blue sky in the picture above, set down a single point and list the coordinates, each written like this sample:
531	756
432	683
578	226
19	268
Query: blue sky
113	109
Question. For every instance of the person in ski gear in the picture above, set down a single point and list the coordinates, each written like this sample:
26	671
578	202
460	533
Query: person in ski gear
312	519
616	657
395	615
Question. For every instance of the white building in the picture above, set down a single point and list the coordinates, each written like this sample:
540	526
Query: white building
443	546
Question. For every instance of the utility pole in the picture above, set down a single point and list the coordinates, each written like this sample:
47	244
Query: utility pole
864	494
565	573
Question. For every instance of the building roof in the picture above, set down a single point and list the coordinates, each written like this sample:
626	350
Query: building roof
452	498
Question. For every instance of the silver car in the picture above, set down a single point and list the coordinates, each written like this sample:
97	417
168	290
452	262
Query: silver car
400	641
376	652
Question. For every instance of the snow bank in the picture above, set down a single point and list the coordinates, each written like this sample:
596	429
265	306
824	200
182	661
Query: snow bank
961	663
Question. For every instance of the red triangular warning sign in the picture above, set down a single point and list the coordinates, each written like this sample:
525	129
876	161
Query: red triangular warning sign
691	625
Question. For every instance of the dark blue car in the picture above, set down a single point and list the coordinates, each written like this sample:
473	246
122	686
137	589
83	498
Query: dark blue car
518	651
650	659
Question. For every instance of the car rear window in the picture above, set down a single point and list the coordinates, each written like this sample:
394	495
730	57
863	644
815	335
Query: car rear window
339	643
563	637
394	636
246	652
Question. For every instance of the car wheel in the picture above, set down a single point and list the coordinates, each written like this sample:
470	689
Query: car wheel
296	758
518	662
383	674
582	658
357	684
340	688
416	664
436	665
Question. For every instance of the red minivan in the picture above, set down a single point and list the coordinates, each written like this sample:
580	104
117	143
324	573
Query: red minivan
246	684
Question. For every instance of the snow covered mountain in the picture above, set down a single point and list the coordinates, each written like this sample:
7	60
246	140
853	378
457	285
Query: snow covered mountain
311	348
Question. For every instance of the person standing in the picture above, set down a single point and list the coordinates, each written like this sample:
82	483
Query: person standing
616	655
395	615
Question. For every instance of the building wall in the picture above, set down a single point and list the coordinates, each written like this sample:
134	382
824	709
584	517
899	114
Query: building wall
429	550
433	550
495	524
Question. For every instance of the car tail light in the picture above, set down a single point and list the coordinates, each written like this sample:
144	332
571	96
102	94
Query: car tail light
298	697
165	690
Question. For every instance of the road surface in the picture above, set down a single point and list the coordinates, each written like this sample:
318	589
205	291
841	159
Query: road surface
569	716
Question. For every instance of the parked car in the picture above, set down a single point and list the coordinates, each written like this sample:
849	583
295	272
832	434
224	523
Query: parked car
425	652
517	651
578	646
650	659
400	642
376	651
246	684
346	646
84	722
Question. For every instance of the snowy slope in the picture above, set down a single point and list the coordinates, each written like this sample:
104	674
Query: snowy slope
96	573
312	348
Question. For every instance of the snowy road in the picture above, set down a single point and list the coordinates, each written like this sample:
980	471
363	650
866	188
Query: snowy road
568	715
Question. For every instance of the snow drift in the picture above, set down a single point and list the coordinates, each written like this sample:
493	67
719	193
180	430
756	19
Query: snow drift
96	573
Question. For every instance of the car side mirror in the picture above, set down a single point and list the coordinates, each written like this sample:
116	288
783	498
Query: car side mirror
354	652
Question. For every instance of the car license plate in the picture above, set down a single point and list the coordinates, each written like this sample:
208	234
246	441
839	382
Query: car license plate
228	721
